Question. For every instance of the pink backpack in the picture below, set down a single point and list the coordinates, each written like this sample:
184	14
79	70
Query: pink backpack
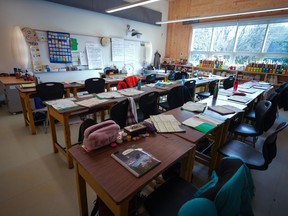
99	135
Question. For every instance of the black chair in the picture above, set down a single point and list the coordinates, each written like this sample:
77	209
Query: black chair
95	85
249	155
271	117
205	94
118	113
176	97
176	195
179	75
151	78
171	76
228	83
148	105
48	91
262	111
191	85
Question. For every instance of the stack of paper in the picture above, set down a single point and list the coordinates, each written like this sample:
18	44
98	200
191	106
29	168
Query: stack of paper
240	99
194	107
130	92
166	124
202	122
62	104
109	95
90	102
223	110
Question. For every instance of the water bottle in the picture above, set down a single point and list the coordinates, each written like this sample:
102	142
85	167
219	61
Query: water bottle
139	86
235	86
215	93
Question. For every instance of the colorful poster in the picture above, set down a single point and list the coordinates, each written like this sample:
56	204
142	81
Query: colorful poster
59	47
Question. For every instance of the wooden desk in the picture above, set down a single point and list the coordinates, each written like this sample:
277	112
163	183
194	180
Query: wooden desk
27	93
194	136
115	185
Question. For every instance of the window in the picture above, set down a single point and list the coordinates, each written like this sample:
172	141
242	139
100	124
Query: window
277	38
250	38
241	43
202	39
224	38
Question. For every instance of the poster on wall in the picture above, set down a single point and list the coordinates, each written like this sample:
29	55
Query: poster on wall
117	49
36	58
59	47
94	56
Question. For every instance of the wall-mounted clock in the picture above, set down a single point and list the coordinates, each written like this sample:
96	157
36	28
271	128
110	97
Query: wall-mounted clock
105	41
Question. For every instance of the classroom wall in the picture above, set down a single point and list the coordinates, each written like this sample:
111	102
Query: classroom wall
44	15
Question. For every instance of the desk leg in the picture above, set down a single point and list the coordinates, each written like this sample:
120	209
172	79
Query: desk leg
214	150
53	131
82	193
187	165
24	110
108	86
67	138
30	115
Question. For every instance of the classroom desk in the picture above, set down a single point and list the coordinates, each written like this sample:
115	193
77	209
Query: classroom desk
194	136
115	185
27	93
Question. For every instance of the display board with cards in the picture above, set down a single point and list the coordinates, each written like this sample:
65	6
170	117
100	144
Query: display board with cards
59	47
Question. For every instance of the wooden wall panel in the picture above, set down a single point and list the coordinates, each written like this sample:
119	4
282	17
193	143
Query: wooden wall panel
178	35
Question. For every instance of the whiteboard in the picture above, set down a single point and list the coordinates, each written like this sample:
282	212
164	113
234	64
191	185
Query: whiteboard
128	52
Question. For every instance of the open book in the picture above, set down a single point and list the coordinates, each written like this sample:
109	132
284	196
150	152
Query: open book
194	107
136	160
202	122
166	123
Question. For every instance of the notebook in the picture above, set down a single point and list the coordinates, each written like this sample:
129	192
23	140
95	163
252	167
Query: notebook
136	160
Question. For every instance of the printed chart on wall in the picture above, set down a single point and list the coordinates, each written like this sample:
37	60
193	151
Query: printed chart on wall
94	56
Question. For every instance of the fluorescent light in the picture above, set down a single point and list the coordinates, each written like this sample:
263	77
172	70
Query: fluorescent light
129	5
220	16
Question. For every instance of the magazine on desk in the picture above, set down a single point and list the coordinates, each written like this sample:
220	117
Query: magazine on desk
136	160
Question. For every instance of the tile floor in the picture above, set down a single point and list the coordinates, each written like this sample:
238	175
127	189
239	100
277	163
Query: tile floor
35	181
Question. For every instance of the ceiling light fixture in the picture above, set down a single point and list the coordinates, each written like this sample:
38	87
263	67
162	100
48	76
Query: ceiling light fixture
221	16
129	5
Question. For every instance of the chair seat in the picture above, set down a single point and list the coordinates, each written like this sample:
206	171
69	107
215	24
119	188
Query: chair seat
203	94
249	155
175	192
164	105
245	130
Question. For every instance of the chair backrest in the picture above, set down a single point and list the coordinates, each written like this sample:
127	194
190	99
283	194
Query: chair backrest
118	113
191	85
212	86
269	148
172	75
177	96
95	85
177	76
151	78
50	90
148	104
228	83
271	117
185	74
262	110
